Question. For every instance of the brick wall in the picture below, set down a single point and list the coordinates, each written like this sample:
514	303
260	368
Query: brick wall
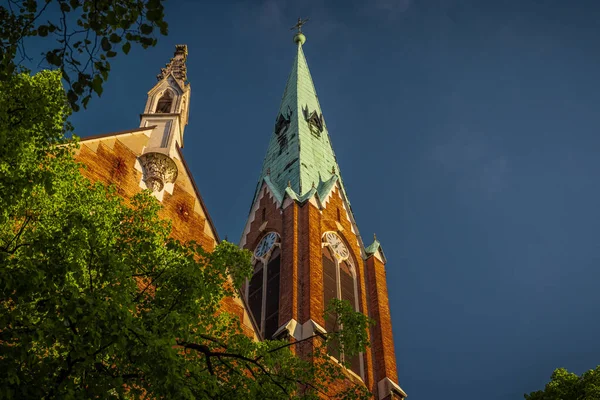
383	340
112	160
301	296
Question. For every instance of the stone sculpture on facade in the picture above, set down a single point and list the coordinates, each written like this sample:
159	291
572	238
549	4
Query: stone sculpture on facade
158	170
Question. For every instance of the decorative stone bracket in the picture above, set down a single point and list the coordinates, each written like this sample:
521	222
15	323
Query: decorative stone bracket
158	170
390	389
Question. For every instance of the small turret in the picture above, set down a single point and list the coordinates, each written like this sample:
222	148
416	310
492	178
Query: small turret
168	104
167	111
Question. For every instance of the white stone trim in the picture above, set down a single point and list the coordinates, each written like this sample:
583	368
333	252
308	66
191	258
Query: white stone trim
386	387
293	328
146	132
328	196
264	262
287	202
263	226
313	200
264	189
349	217
310	328
379	256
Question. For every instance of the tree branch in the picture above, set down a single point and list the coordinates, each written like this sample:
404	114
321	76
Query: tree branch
16	238
208	353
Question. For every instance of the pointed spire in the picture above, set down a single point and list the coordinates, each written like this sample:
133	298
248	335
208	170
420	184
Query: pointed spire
300	153
177	65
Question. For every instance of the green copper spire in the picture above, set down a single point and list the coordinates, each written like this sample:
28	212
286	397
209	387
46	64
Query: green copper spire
300	160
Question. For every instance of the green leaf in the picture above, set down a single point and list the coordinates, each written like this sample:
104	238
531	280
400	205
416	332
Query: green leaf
53	58
146	29
72	96
105	43
42	30
154	15
114	38
65	76
126	47
97	85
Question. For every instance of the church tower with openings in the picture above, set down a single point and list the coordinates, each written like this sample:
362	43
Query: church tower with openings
305	242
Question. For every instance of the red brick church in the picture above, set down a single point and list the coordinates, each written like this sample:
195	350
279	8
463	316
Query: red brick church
306	245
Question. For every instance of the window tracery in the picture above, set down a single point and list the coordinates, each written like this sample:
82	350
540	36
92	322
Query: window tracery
339	282
263	288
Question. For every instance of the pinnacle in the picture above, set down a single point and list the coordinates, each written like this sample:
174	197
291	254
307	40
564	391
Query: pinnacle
176	66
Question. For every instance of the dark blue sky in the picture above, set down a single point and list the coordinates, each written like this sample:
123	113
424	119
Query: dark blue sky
467	133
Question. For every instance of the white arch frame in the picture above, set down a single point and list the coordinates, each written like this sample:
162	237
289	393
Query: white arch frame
340	258
264	262
159	95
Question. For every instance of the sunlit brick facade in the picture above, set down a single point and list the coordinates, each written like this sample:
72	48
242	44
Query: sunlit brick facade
301	229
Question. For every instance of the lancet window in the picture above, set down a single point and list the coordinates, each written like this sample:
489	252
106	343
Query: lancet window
339	282
164	103
263	288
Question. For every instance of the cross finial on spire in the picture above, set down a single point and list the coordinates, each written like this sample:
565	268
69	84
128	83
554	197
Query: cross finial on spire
299	37
299	24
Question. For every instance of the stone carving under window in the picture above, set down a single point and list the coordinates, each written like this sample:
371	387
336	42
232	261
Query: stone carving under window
158	169
315	121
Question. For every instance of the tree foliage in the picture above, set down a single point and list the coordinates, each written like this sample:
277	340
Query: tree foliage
86	33
565	385
98	301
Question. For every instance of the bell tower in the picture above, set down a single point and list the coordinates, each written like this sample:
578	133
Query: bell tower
166	115
305	241
167	104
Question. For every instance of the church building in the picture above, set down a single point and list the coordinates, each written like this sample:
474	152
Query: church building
306	245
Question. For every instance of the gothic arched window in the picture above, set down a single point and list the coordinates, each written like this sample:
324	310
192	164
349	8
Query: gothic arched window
263	288
339	282
164	103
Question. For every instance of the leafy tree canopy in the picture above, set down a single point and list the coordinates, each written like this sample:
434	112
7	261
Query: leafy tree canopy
565	385
82	36
96	299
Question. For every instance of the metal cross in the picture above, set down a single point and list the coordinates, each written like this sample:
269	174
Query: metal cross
299	25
